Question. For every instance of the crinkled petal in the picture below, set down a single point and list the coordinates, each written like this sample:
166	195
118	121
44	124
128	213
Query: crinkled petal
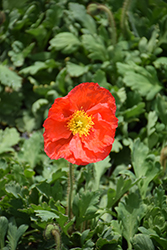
101	136
56	129
105	112
57	149
87	95
61	108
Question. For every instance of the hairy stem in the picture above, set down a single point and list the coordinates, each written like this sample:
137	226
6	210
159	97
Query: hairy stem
111	22
70	191
57	238
124	22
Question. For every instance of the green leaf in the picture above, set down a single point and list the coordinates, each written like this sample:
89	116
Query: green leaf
18	54
152	119
160	62
162	108
3	230
65	41
139	152
9	137
84	206
13	188
95	46
14	234
79	13
100	78
76	70
142	241
46	215
38	104
53	15
135	111
143	167
27	122
145	81
9	78
142	84
31	148
33	69
99	168
130	212
108	240
48	190
10	4
117	146
122	186
160	241
40	34
29	173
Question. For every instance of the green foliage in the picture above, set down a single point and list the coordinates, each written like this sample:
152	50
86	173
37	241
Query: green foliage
46	49
9	137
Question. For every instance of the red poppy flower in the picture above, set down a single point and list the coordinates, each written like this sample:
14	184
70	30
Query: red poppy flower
81	126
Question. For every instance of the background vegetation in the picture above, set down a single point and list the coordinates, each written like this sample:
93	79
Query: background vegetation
46	48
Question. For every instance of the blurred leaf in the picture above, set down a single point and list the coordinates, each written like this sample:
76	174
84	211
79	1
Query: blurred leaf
65	41
95	46
46	215
162	108
79	13
38	104
13	188
14	234
139	155
143	167
135	111
10	4
3	230
76	70
33	69
40	34
108	240
122	186
142	241
18	54
143	80
61	80
84	206
29	173
48	190
160	62
9	137
9	78
53	15
117	146
142	84
130	212
31	149
162	242
152	118
100	78
99	168
27	122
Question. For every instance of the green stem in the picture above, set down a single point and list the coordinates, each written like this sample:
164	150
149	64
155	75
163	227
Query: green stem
111	22
57	238
70	191
124	21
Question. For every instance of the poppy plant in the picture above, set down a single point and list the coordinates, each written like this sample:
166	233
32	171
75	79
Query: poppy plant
81	126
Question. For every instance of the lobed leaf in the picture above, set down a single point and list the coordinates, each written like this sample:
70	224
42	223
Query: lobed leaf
65	41
10	78
9	137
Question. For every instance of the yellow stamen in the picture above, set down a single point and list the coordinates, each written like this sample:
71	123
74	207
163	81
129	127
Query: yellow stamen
80	123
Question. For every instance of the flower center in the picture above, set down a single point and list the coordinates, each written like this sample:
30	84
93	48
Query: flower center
80	123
